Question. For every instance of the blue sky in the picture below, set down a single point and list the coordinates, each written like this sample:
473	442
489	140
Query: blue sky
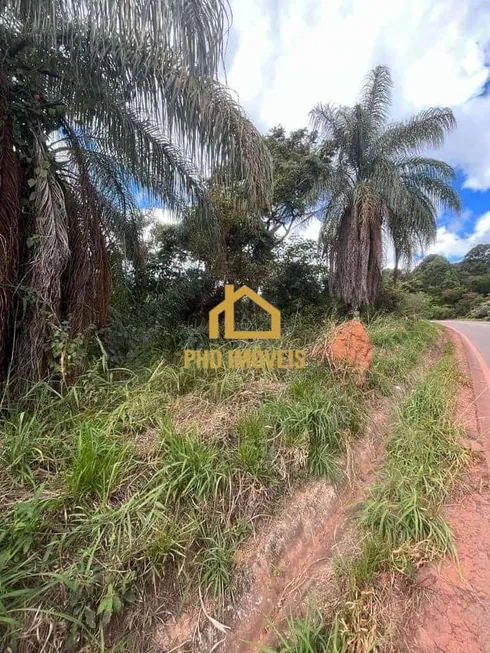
284	56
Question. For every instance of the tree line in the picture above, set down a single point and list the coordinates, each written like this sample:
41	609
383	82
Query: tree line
101	106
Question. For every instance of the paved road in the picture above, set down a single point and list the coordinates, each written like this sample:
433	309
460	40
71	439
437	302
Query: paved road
476	339
477	332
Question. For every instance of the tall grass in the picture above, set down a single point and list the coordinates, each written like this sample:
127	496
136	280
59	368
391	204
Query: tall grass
399	344
92	521
424	460
401	520
99	462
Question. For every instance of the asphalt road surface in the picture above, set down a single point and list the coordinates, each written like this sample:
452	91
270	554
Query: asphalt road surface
477	332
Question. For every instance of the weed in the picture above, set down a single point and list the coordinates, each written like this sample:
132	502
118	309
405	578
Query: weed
318	421
216	564
69	566
398	347
402	517
25	448
306	635
253	446
99	462
193	469
424	460
358	572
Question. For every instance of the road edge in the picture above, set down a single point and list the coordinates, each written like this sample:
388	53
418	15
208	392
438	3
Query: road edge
479	373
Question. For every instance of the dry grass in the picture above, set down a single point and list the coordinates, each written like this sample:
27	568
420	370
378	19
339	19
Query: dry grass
217	419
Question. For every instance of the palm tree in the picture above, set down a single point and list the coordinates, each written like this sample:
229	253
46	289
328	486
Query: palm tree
381	187
100	101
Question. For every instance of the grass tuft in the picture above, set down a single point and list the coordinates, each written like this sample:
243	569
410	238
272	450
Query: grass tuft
192	469
99	462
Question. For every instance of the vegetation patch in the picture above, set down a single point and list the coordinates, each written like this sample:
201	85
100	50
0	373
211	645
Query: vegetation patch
93	522
401	520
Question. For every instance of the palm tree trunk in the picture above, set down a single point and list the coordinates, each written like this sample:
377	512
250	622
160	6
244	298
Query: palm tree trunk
10	219
48	259
357	257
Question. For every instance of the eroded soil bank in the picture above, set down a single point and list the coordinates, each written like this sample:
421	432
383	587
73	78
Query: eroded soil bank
455	613
292	557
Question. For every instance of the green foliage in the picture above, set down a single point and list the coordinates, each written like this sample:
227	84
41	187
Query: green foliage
399	344
25	446
117	500
439	289
297	280
307	635
253	444
436	274
401	519
423	461
191	469
216	564
319	421
99	462
300	167
477	260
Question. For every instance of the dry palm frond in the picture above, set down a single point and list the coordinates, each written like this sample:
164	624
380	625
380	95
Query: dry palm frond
88	277
10	212
49	258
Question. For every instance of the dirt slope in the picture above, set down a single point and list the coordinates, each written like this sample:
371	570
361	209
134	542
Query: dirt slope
456	614
295	551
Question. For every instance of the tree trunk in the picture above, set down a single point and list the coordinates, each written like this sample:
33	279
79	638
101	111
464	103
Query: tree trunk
10	220
357	255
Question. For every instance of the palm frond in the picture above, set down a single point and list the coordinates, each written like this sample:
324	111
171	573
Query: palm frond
426	129
440	194
196	115
425	165
50	257
376	95
193	28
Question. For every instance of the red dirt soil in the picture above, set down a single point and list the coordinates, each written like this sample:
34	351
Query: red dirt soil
456	616
351	346
292	553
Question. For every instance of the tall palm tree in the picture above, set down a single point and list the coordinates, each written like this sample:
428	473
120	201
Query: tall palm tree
100	101
381	186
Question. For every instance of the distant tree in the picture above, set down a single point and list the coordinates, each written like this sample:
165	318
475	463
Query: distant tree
481	284
241	250
298	277
477	260
301	167
435	274
380	184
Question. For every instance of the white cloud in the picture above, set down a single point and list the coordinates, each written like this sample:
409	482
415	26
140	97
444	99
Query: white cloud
294	53
155	216
452	246
311	230
469	145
